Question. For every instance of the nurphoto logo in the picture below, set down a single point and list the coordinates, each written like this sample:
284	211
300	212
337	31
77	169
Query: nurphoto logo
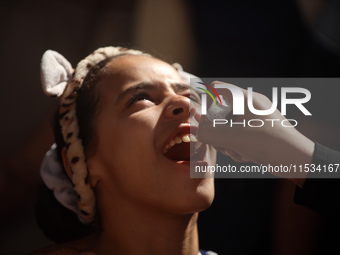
218	111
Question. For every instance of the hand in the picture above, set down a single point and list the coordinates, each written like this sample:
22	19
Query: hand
270	144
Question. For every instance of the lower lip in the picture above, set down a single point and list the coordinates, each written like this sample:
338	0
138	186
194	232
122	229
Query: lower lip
192	163
196	162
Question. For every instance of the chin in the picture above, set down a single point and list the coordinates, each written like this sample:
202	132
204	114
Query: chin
205	194
197	199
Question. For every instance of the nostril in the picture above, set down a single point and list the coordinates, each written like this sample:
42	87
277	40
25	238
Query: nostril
177	111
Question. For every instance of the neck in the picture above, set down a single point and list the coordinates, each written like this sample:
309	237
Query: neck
130	230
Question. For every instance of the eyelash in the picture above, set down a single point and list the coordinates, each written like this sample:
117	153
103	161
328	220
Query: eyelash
138	97
143	96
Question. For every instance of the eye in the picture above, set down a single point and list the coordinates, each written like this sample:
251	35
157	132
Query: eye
194	98
138	97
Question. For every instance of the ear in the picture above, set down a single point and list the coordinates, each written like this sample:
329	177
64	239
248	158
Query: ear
55	72
66	163
96	171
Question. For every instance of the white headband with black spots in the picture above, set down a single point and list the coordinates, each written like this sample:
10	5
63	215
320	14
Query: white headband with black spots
60	80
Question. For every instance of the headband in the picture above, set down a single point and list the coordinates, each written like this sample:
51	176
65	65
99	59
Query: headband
60	80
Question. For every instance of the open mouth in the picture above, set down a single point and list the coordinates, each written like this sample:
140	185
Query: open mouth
184	147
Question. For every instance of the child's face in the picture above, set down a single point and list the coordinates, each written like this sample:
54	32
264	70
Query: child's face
143	106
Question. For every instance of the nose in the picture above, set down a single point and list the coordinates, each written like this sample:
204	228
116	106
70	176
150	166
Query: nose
178	106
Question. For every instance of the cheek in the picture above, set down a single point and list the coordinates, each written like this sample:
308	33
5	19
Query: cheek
128	158
126	148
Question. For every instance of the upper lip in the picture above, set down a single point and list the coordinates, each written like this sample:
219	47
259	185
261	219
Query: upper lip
182	129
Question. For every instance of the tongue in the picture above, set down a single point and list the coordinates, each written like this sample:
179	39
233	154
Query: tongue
179	152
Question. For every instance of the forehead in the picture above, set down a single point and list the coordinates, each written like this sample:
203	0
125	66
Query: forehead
128	70
131	68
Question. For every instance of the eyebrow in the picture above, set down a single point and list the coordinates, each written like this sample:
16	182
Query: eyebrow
177	87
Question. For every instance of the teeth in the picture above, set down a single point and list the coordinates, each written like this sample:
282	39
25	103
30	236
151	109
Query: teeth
186	138
179	139
193	138
197	146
